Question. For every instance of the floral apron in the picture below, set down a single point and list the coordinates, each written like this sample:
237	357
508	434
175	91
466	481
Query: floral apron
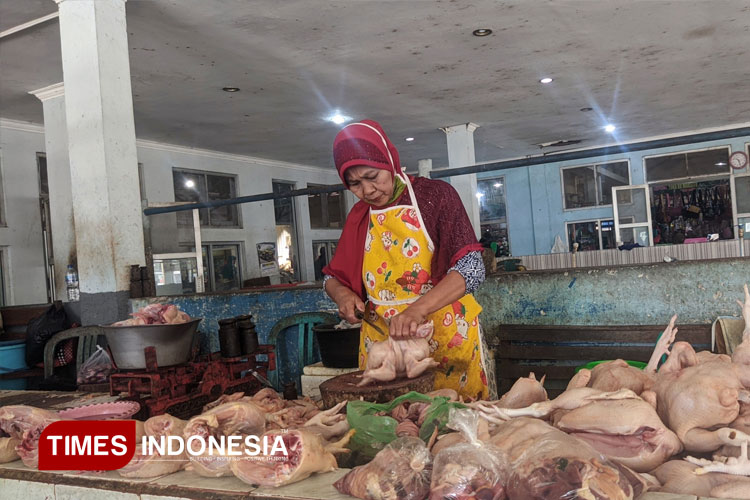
396	272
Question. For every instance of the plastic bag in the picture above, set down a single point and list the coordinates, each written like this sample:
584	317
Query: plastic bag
40	329
559	246
96	369
473	469
375	429
400	470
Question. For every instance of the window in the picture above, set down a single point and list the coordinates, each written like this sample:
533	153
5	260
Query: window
742	192
2	278
286	232
2	202
222	271
591	185
322	253
592	235
193	186
686	165
326	209
492	214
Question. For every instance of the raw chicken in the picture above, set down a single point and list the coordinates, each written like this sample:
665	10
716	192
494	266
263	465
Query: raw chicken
307	452
329	424
625	430
26	423
8	448
454	438
679	477
228	419
392	359
269	400
546	463
400	470
524	392
155	314
612	376
154	465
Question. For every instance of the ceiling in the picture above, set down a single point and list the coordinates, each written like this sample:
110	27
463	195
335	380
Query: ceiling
651	67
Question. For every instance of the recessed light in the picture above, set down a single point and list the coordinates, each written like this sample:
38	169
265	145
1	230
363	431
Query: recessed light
587	109
338	118
609	128
546	79
498	184
409	139
231	89
721	164
481	32
189	183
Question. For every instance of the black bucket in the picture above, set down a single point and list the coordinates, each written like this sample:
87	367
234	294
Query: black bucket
338	348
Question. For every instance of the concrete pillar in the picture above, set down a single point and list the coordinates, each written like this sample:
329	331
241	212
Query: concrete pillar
103	157
58	175
460	140
424	167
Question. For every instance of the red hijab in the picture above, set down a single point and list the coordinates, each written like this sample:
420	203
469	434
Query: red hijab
361	143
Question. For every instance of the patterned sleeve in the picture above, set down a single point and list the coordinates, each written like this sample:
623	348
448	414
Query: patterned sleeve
471	267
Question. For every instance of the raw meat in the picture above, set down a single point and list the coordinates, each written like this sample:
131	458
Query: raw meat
400	471
228	419
679	477
155	314
308	454
154	465
524	392
8	449
612	376
546	463
26	423
392	359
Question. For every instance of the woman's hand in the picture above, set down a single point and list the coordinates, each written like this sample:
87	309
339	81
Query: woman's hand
404	325
346	299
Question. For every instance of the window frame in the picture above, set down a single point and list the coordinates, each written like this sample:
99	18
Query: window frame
3	217
599	231
728	173
4	292
205	174
324	208
327	243
598	194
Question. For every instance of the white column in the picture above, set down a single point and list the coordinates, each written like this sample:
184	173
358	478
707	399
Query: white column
460	140
58	175
101	143
424	167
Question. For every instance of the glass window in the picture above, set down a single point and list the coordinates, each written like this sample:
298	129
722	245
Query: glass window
225	267
493	216
322	253
192	186
691	164
742	191
286	233
591	235
326	209
591	185
175	276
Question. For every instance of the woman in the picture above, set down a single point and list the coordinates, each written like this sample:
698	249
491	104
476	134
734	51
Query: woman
407	255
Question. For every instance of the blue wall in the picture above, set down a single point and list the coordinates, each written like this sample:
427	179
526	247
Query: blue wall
534	196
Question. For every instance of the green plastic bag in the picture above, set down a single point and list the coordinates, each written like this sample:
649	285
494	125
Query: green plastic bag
374	432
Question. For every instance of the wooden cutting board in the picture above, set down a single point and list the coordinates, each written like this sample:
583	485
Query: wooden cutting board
344	388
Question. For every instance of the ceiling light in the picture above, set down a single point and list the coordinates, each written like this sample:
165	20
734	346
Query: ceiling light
587	109
189	183
721	164
609	128
498	184
231	89
481	32
338	118
409	139
546	79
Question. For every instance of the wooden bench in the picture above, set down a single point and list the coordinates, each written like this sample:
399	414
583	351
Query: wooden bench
556	351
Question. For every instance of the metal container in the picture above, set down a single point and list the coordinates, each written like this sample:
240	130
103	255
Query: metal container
173	343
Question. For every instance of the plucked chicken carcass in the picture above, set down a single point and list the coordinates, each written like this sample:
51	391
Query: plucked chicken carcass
392	359
155	314
546	463
612	376
400	471
699	394
307	454
25	424
154	464
678	476
524	392
228	419
8	448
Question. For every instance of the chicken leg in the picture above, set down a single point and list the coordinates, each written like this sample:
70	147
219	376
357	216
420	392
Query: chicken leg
730	465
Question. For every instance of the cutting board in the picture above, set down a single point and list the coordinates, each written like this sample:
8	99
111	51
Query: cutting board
344	388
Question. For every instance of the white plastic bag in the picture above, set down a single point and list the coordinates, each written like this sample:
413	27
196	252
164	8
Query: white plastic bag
468	470
559	246
96	369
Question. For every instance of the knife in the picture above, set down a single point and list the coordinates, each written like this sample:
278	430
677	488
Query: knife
363	316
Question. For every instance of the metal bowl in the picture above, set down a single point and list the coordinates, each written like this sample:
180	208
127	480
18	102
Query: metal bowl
173	343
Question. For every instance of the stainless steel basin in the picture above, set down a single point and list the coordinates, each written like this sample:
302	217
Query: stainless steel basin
173	343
